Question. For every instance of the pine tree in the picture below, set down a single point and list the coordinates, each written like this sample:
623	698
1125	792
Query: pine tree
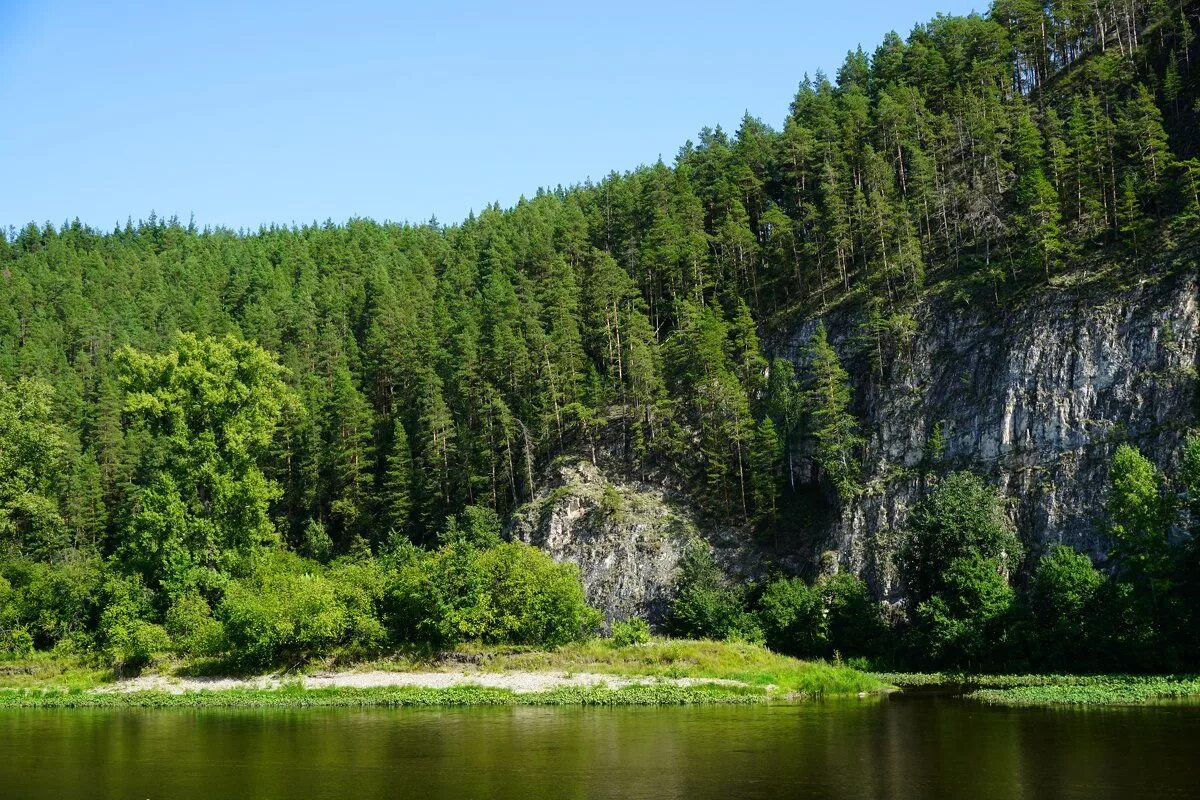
396	496
766	462
826	401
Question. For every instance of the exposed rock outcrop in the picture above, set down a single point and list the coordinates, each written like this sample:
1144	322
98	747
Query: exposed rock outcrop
1036	398
626	536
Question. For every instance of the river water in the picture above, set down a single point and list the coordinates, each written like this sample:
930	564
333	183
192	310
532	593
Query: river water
904	746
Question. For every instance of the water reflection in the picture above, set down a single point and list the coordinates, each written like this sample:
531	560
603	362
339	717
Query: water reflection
902	747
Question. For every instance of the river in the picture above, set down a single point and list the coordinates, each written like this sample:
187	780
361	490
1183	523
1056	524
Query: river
905	746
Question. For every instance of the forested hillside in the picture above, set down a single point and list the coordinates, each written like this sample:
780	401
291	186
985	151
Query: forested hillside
172	398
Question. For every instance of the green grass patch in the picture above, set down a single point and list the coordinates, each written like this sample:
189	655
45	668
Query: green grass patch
388	697
52	670
1047	689
681	658
1093	690
759	675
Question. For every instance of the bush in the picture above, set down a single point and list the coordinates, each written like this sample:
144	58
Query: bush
16	643
359	586
478	526
192	628
535	600
705	606
316	542
55	603
856	624
793	618
438	597
126	637
509	593
962	518
280	611
1065	593
133	643
627	632
964	625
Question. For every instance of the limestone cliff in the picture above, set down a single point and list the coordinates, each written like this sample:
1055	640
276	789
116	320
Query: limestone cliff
1036	398
627	536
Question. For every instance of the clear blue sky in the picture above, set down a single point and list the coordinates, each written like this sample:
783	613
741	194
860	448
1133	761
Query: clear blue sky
245	113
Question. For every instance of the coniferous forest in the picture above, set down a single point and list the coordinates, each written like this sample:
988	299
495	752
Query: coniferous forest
279	442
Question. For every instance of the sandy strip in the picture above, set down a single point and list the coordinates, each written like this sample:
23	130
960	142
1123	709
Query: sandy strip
518	682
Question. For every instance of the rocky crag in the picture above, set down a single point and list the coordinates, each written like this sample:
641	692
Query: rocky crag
627	536
1035	397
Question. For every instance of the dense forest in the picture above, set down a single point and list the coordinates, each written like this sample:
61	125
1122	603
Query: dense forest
203	430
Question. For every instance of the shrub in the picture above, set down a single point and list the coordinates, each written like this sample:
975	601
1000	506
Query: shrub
55	603
962	518
535	600
793	618
964	624
133	643
359	586
316	542
279	611
192	627
16	643
507	593
1065	592
438	597
478	526
856	623
627	632
126	637
705	606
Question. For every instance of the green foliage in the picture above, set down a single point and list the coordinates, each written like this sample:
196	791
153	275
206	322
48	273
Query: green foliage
1065	594
826	401
57	604
125	636
611	502
192	628
793	618
534	600
857	628
705	605
630	632
279	612
178	407
1139	514
33	456
477	526
958	552
212	408
964	623
509	592
836	615
961	518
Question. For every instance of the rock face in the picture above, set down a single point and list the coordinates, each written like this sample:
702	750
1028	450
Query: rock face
626	536
1036	399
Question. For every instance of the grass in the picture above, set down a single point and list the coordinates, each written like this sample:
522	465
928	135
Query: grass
56	670
1051	690
390	697
755	675
750	664
1093	690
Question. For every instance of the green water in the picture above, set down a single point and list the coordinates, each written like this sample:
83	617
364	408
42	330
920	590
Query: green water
901	747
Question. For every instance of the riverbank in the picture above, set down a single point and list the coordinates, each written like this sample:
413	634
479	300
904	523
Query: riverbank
1055	690
660	672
